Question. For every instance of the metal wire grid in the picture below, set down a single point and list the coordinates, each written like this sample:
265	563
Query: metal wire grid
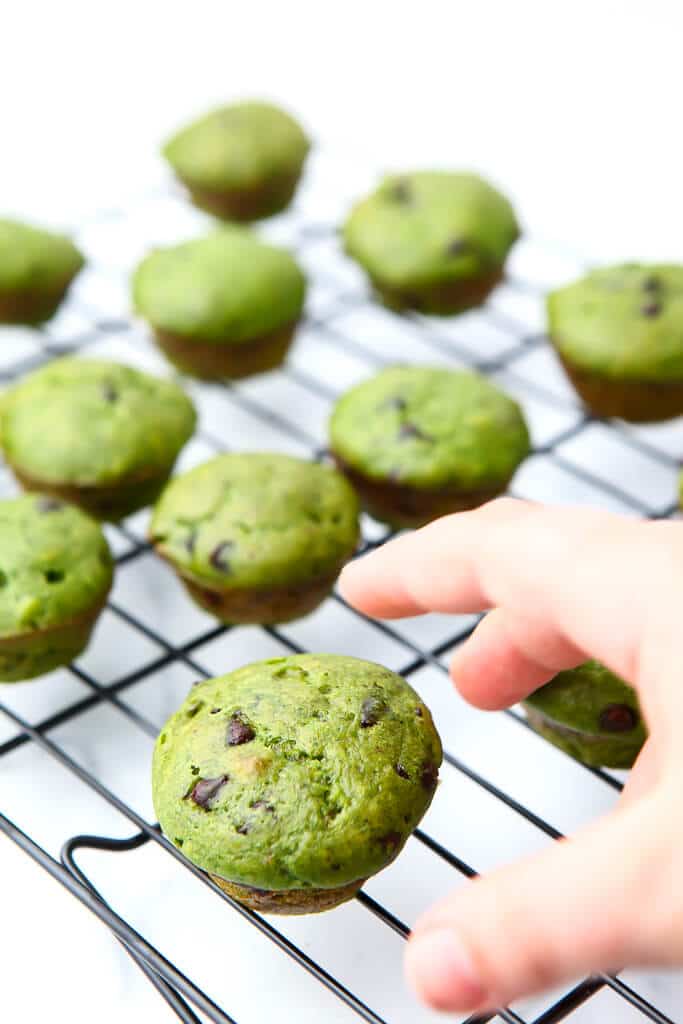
338	301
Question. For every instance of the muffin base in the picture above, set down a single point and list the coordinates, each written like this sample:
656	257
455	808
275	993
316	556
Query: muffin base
596	751
110	503
638	401
289	901
30	306
28	655
246	204
263	606
214	360
400	505
444	298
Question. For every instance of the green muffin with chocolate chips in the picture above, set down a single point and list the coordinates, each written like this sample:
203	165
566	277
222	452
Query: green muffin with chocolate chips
619	334
99	434
240	162
226	305
257	537
435	241
55	574
36	270
292	781
591	714
418	442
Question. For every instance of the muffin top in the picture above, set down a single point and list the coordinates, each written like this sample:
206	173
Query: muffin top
623	322
429	428
227	287
34	259
591	700
238	146
256	520
89	422
309	770
55	565
429	227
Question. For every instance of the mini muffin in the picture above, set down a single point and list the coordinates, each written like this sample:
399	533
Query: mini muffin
418	442
257	537
55	574
36	269
435	241
99	434
222	306
292	780
591	714
240	162
619	334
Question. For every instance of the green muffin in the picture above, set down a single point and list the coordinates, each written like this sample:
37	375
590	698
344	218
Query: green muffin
619	334
99	434
435	241
36	269
222	306
292	780
257	537
418	442
240	162
55	574
591	714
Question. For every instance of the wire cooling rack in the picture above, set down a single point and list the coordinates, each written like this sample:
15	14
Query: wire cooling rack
84	735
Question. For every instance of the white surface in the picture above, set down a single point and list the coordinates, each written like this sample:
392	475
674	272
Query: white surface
574	108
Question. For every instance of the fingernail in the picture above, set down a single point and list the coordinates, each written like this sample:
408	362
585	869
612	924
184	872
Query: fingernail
442	973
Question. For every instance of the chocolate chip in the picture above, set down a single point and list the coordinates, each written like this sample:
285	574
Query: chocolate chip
239	731
215	711
336	867
48	504
203	792
418	710
395	403
457	247
401	191
244	829
412	431
391	841
258	804
190	542
400	770
618	718
218	557
651	309
109	392
429	775
194	707
651	284
370	712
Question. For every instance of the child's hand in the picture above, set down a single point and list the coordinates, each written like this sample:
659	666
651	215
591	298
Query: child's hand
565	585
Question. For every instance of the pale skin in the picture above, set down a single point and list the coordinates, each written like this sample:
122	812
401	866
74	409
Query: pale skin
563	585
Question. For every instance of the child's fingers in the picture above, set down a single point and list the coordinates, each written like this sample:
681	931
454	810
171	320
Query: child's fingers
507	658
587	904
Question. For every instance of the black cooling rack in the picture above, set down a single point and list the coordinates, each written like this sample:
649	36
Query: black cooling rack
345	337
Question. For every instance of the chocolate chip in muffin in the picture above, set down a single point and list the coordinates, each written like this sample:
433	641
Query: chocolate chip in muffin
429	775
190	542
196	706
239	731
456	247
49	504
370	712
401	191
401	771
651	309
618	718
396	402
109	392
651	284
205	791
218	557
410	431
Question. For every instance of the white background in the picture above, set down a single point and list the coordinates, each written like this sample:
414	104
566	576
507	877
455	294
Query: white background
574	108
